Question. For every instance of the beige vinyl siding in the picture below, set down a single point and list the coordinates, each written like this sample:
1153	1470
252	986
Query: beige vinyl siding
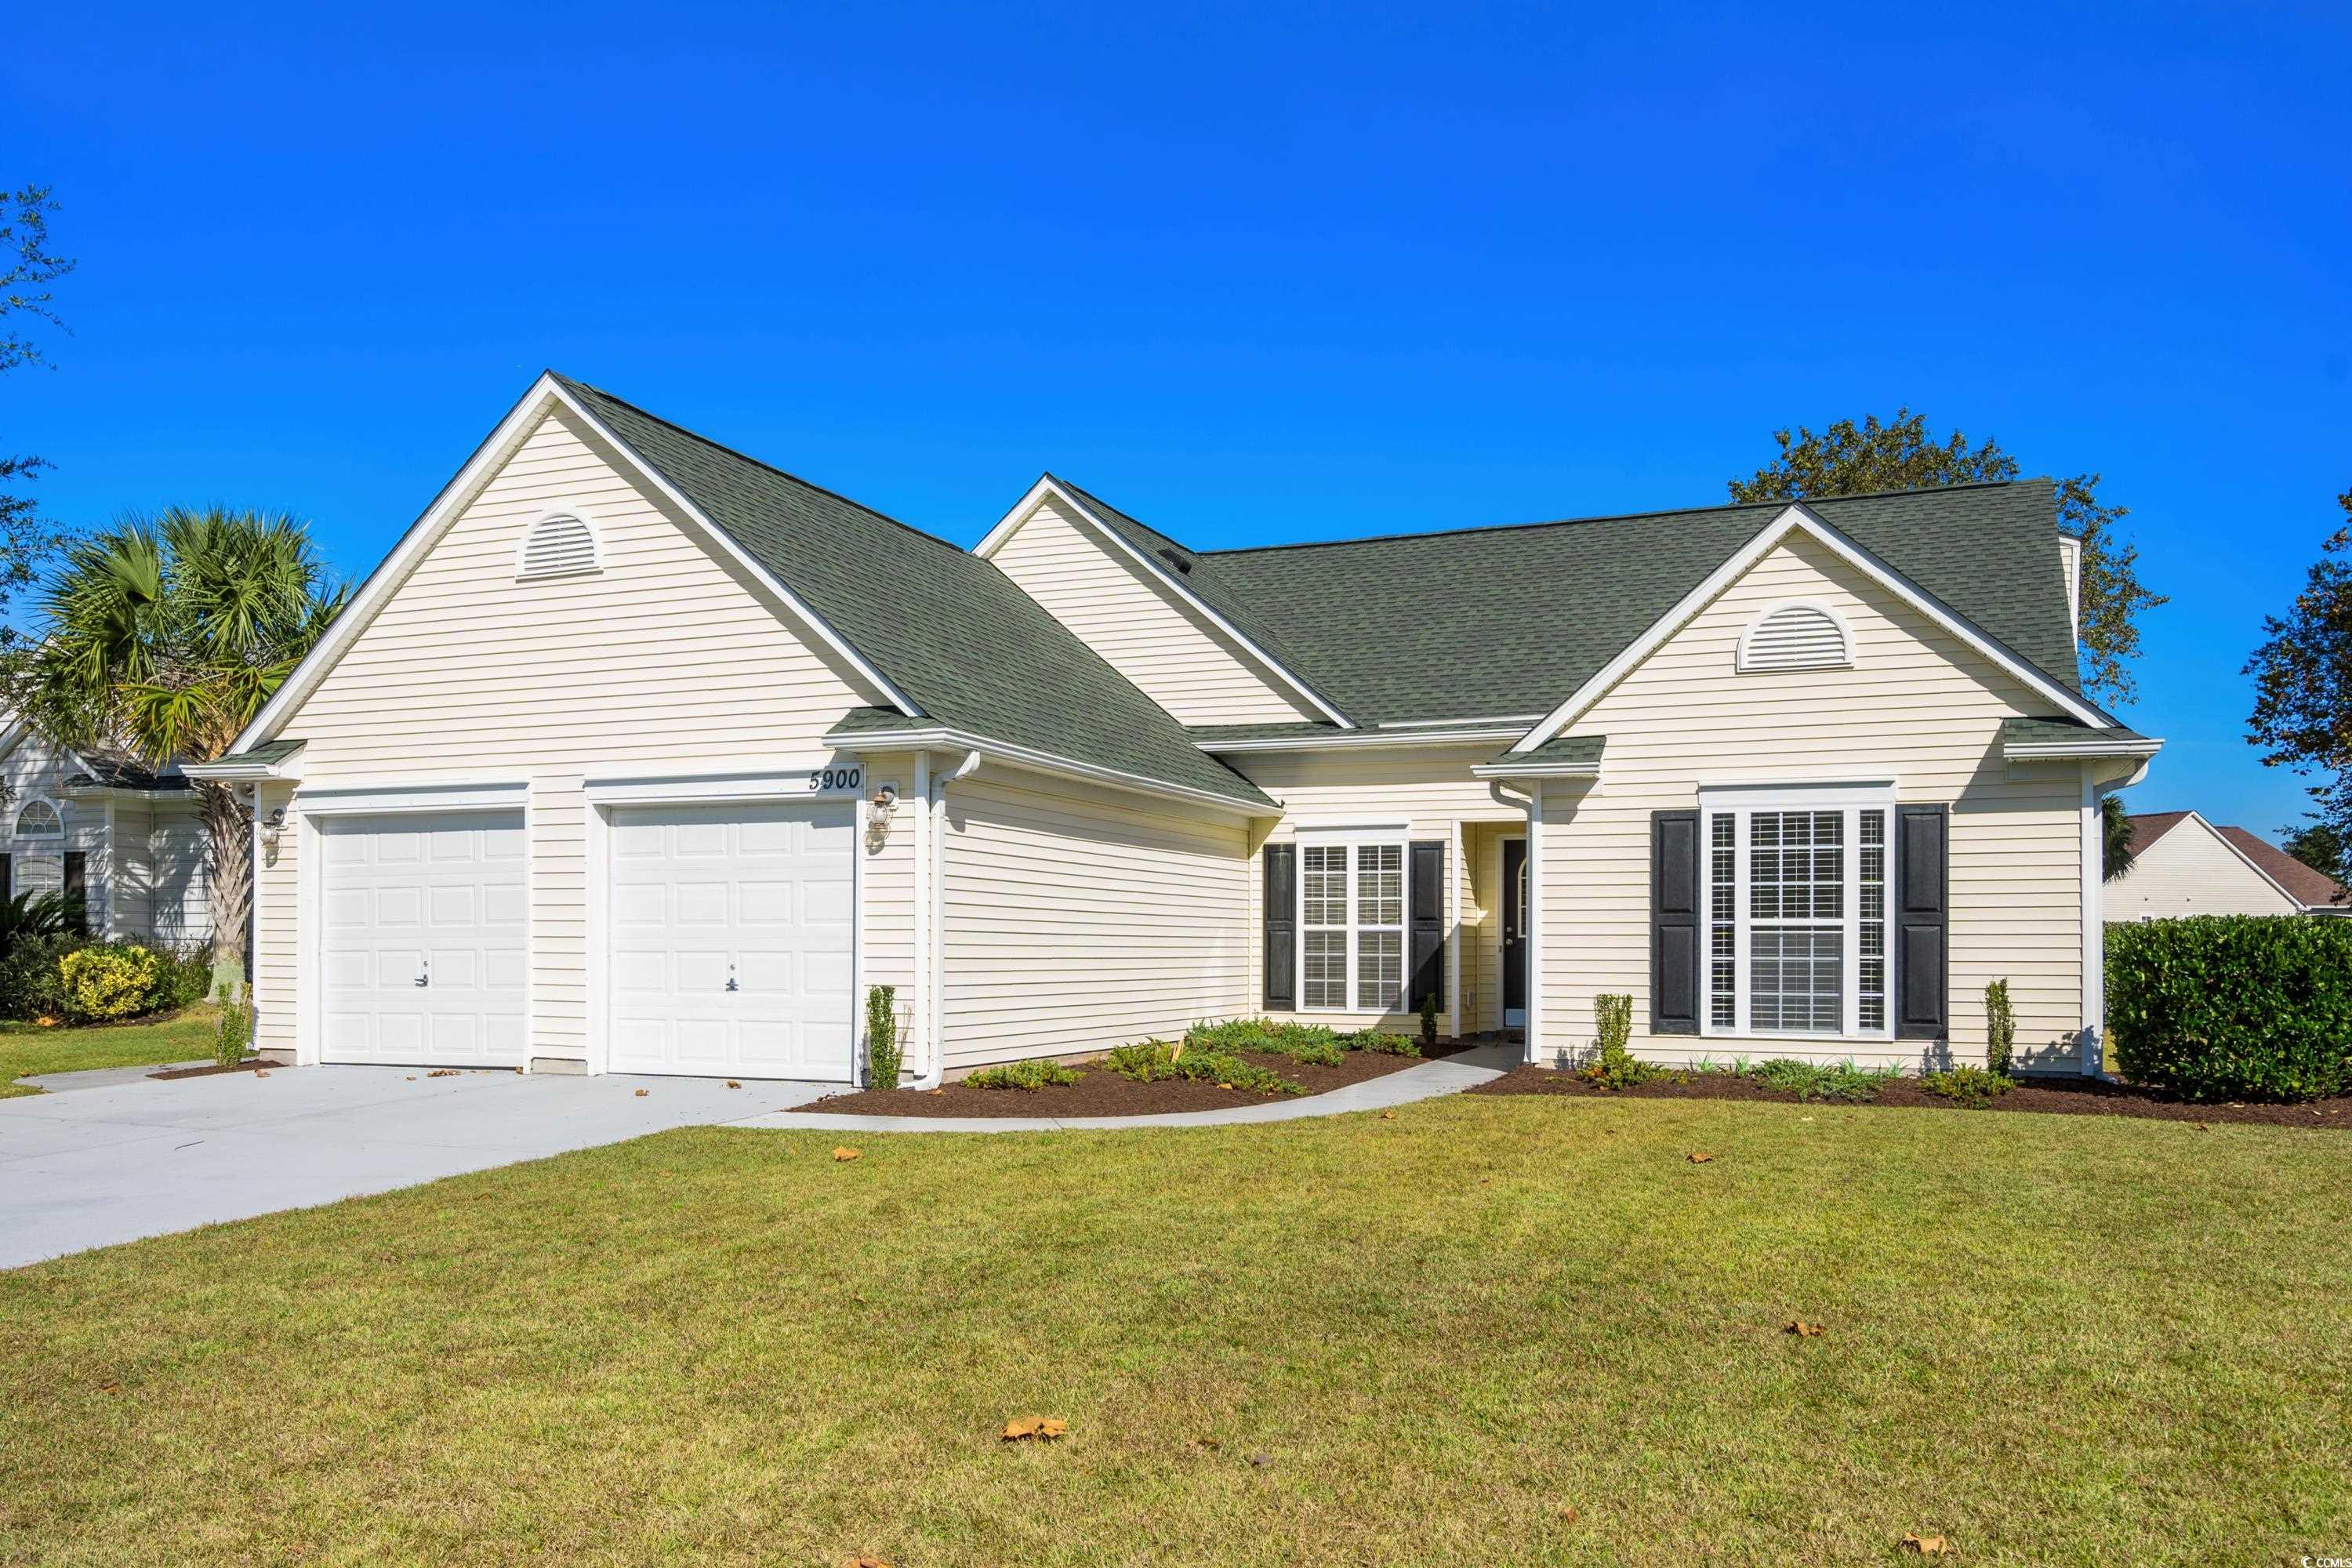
1177	656
670	657
1079	918
276	945
2192	870
1918	707
886	954
1409	793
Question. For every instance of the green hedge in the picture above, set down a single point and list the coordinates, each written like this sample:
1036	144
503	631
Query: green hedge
2234	1006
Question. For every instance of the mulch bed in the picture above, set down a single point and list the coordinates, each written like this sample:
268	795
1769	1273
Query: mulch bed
1105	1093
255	1065
2056	1096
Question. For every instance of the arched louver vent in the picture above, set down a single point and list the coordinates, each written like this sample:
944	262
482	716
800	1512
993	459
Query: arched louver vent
557	546
1795	636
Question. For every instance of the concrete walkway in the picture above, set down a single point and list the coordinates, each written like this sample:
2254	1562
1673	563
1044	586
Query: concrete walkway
1450	1074
121	1159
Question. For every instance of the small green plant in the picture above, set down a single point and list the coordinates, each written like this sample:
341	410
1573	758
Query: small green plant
1429	1021
2000	1026
1152	1061
229	1046
1309	1043
183	975
1812	1080
1378	1043
1613	1024
107	981
882	1036
1969	1086
1037	1073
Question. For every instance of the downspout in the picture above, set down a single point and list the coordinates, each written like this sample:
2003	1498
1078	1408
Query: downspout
934	788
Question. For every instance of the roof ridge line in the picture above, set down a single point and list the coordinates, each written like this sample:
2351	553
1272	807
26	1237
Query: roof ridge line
1615	517
696	436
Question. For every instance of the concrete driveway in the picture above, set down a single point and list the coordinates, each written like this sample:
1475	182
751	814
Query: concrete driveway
116	1156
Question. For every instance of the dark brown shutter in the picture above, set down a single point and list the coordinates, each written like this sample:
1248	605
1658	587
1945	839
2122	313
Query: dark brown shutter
1921	922
1674	923
1428	923
1281	863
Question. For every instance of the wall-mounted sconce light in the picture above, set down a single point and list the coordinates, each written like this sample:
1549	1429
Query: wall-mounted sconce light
272	826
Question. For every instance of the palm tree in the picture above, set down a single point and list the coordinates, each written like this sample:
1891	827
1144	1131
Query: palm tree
160	639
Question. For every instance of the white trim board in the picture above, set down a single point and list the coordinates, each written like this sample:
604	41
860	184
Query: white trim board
1010	523
546	394
1360	741
1041	761
1798	517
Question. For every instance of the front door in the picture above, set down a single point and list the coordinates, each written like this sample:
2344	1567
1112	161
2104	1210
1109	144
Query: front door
1515	933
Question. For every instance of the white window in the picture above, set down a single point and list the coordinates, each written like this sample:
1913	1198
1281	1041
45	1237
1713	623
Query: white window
1796	899
560	544
1351	927
1798	634
39	819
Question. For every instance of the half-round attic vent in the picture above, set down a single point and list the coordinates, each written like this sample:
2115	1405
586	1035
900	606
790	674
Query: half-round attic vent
1796	636
558	545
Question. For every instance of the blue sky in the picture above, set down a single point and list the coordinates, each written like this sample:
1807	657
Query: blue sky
1253	276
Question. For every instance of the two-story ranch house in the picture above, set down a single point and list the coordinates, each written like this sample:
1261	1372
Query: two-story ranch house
637	755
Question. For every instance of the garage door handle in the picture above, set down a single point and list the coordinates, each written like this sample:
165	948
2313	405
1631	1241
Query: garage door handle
730	977
425	977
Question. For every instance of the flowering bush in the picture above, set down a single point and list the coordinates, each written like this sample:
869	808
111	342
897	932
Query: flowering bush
107	981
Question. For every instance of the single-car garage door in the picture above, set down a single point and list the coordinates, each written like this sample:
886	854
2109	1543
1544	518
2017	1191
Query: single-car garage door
425	937
732	930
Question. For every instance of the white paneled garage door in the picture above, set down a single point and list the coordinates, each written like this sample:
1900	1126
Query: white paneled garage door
730	944
425	939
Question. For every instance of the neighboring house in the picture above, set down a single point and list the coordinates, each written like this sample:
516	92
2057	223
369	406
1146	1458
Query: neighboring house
2183	865
637	754
129	843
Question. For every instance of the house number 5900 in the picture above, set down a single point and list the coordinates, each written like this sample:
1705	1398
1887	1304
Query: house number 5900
836	778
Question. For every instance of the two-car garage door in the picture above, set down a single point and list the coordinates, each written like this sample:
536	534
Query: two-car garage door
726	947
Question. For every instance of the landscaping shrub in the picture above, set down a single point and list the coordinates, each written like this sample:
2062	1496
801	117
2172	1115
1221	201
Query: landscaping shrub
1968	1086
183	975
36	915
2000	1026
31	985
1811	1080
1034	1073
107	981
882	1036
1615	1066
1373	1040
236	1034
1309	1043
2234	1006
1150	1062
1429	1021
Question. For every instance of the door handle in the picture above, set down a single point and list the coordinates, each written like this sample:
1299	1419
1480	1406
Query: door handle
425	972
731	976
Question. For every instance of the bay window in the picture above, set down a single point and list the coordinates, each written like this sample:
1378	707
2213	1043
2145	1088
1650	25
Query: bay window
1795	901
1351	925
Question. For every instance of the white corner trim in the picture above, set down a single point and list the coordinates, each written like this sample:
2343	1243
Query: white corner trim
545	395
1796	517
1533	915
1741	663
578	514
2094	949
1359	740
1045	486
944	739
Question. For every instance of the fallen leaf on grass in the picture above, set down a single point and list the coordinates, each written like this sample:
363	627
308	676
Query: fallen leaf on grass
1926	1545
1801	1329
1261	1460
846	1153
2202	1128
1208	1442
1698	1159
1568	1516
109	1387
1045	1429
864	1561
1388	1116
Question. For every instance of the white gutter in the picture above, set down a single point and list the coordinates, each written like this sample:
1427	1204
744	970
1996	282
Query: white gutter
1536	771
2077	750
1358	741
1041	761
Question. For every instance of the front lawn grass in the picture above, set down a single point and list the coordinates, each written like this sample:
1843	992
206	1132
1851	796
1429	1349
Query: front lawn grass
184	1037
1489	1331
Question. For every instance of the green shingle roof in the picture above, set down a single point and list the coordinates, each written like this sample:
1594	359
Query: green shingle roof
1513	619
267	752
1578	751
946	627
2061	732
